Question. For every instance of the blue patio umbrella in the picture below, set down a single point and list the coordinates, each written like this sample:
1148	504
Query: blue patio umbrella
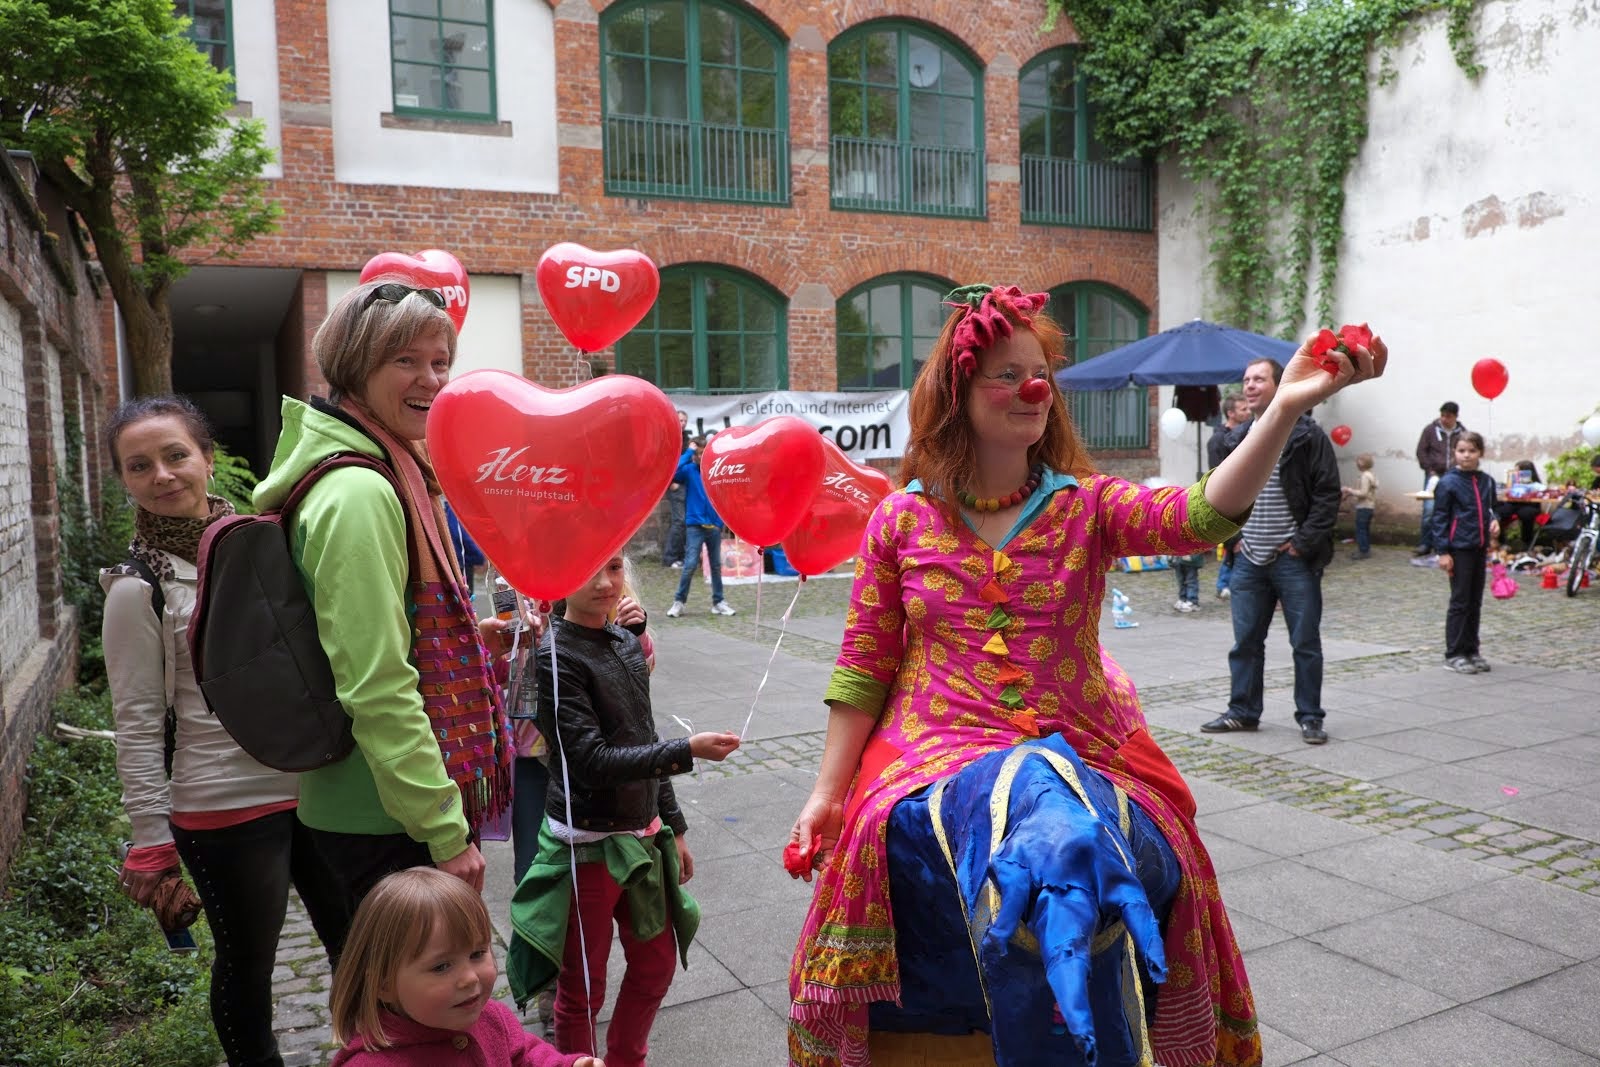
1196	353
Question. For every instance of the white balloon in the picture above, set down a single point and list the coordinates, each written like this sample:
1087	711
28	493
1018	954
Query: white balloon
1591	429
1173	423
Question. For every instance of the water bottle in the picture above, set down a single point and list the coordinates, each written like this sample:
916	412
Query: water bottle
1121	611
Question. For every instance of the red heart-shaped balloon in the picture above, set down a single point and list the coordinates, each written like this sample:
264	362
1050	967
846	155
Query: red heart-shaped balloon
831	530
596	297
762	478
1341	435
432	268
551	483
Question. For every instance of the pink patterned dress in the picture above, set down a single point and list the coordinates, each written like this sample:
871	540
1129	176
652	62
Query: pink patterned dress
963	649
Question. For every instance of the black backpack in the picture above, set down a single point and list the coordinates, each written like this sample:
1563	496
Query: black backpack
253	637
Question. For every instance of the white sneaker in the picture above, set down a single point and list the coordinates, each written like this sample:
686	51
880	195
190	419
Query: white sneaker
677	564
721	607
1184	606
676	609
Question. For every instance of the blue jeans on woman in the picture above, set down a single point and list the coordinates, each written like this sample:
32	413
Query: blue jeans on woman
1257	590
694	537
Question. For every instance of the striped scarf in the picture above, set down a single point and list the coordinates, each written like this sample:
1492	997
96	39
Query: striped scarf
457	681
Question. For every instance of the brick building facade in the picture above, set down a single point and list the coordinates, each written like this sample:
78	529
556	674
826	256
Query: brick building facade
51	310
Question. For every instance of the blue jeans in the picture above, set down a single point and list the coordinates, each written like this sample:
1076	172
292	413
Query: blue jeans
1425	541
694	537
1256	590
1364	530
529	779
1188	581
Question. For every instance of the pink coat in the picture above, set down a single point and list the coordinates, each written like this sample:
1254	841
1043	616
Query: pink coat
497	1040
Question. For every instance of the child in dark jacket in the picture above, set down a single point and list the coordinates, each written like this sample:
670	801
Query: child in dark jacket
611	849
1464	528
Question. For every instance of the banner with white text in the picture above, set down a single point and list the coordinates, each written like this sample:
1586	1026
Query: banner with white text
863	425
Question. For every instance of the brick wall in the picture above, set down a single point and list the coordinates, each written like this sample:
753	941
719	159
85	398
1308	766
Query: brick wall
328	225
50	353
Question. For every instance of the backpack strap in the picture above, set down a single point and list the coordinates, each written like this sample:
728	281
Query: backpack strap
158	604
333	463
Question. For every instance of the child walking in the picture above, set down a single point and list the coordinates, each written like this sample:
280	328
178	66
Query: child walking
1464	528
415	981
1364	494
1187	568
612	846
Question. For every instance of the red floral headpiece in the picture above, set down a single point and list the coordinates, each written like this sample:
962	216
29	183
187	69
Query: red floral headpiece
982	320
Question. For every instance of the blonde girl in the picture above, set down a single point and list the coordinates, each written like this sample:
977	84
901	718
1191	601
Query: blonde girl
415	984
1364	494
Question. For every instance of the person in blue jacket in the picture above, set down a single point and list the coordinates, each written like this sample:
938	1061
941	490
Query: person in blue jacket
1464	529
701	526
468	554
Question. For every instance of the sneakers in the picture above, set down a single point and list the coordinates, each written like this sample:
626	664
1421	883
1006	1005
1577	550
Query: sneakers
1425	561
1227	724
1481	663
721	607
676	564
1183	606
1461	665
1358	556
1312	733
676	609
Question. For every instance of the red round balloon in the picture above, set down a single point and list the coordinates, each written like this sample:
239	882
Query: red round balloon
831	530
762	478
596	297
1341	435
1489	378
551	483
433	268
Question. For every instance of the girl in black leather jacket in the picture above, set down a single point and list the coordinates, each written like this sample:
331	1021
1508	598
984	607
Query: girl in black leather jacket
610	808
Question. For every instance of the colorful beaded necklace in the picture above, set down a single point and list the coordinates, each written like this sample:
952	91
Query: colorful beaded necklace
995	503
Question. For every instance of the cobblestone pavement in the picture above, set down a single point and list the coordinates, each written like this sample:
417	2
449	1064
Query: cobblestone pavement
1383	601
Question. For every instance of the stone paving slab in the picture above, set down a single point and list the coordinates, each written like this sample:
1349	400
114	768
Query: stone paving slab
1460	1037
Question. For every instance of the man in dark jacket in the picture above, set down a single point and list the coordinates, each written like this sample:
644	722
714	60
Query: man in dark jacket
1436	449
1283	549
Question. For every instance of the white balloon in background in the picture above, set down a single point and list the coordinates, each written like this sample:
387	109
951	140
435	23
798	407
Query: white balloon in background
1173	423
1591	429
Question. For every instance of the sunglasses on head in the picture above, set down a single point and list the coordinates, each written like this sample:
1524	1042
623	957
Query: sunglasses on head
394	292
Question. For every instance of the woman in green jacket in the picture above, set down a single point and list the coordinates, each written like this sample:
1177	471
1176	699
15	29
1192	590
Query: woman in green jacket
432	761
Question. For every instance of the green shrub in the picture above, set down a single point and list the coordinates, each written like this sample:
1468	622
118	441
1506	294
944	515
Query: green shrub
86	978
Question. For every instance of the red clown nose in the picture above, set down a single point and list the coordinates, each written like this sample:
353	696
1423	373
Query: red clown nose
1034	391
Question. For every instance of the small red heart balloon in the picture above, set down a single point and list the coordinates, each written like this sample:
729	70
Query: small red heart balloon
1490	377
831	530
762	478
551	483
433	268
1341	435
596	297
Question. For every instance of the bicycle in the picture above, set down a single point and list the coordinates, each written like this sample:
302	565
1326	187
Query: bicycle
1585	545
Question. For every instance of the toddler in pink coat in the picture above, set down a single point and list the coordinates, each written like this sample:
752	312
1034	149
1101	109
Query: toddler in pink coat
415	981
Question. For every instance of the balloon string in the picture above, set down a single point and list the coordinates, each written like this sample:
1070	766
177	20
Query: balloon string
776	645
688	729
572	846
761	569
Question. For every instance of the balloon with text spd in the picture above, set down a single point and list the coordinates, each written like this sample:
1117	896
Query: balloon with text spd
551	483
1490	378
831	530
432	268
762	478
596	297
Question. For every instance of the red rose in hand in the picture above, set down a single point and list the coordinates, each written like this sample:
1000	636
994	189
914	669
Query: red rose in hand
797	859
1324	343
1347	340
1353	337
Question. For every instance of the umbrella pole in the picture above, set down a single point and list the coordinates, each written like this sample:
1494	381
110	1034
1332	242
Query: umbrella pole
1199	453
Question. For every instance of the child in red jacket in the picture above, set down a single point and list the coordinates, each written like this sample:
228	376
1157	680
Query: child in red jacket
414	984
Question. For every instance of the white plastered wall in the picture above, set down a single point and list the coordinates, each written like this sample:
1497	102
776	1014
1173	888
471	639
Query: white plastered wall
255	71
1472	230
491	338
367	152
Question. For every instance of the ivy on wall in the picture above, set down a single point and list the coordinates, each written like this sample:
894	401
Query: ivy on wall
1263	103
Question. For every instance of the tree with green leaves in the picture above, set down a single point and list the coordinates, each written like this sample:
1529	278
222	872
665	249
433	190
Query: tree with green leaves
130	122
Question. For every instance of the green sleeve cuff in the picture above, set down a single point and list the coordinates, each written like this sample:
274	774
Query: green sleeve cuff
1207	522
856	689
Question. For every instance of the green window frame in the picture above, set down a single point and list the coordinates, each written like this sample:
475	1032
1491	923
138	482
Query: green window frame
441	58
711	330
905	122
1068	177
1098	318
210	28
695	99
886	327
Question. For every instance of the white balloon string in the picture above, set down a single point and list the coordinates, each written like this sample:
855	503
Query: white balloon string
761	569
688	728
572	846
776	645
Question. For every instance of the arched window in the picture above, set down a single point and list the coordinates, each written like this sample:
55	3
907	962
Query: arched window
711	331
1098	318
1068	178
695	97
905	115
886	328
